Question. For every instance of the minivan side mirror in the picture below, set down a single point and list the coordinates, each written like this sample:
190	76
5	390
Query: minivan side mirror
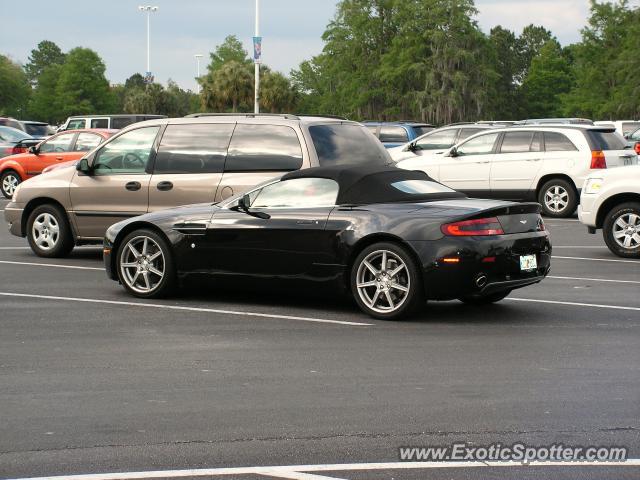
84	167
34	149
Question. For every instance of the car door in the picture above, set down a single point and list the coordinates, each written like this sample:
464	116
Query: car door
189	164
516	164
258	152
117	186
54	150
281	235
467	167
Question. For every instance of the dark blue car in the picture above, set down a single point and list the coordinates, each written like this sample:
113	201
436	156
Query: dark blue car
393	134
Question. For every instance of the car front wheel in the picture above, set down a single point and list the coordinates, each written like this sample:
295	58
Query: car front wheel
385	282
49	233
558	198
9	181
621	230
145	264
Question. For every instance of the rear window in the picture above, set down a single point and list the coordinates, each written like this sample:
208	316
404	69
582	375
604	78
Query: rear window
263	148
557	142
607	140
393	134
193	148
37	130
420	187
340	144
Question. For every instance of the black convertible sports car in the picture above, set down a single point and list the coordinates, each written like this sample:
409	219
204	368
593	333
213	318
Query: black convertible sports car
393	237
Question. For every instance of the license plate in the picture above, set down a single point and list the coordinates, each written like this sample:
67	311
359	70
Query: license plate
528	262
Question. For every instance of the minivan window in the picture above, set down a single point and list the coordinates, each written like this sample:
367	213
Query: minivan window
393	134
557	142
263	148
193	148
338	144
438	140
75	124
118	123
127	154
516	142
99	123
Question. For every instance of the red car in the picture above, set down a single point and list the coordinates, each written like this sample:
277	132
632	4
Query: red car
63	147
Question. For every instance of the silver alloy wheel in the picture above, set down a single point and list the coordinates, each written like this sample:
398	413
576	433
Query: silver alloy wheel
383	281
9	183
142	264
626	230
556	198
45	231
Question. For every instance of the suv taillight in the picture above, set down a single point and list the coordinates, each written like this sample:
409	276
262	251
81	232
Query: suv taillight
480	226
598	160
636	147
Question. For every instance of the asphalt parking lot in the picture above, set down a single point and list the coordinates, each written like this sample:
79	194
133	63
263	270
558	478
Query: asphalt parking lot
95	381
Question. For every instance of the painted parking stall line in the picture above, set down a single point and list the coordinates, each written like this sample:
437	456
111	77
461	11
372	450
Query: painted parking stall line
186	309
587	279
574	304
52	265
596	259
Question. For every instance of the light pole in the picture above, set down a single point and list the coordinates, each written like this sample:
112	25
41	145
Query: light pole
148	9
257	53
198	56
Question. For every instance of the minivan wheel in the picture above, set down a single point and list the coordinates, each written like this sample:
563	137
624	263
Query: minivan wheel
385	282
49	233
145	266
558	198
9	181
621	230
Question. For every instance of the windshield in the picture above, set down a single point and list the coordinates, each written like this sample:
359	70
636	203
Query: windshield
9	134
343	144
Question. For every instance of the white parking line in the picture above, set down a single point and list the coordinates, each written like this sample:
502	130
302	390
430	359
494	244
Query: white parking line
287	471
96	247
596	259
594	279
578	246
54	265
187	309
574	304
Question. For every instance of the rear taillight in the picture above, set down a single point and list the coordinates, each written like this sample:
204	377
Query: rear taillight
477	227
598	160
15	150
636	147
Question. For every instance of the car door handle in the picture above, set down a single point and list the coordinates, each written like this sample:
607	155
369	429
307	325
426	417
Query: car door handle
164	186
533	159
59	158
487	161
133	186
306	222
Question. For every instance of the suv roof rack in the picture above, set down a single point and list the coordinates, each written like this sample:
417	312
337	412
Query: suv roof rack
336	117
247	115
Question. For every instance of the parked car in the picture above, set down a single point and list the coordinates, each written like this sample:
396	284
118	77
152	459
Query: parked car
39	130
62	147
393	134
169	162
555	121
623	127
610	201
13	141
409	239
10	122
544	163
111	122
437	141
633	140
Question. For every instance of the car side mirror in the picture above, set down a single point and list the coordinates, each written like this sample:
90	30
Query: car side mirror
244	203
34	149
411	147
453	152
84	167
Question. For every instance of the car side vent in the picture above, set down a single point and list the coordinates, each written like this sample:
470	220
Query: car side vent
190	228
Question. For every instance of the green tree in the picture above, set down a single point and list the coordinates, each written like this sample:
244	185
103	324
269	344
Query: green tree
228	87
135	81
277	95
82	86
529	44
45	103
47	53
230	49
14	88
505	98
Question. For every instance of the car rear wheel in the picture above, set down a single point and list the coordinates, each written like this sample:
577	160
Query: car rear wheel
621	230
49	233
484	299
9	181
558	198
385	282
145	265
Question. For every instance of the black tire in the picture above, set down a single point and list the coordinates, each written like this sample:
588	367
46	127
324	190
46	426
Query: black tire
52	237
484	299
562	187
408	277
8	180
622	213
135	285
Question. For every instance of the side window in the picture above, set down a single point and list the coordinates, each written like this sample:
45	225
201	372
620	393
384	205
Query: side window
263	148
481	145
127	154
516	142
99	123
86	142
467	132
120	122
373	129
298	193
437	140
76	124
536	143
61	143
557	142
196	148
393	134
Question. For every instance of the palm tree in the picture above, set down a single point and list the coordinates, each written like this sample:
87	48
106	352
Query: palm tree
232	83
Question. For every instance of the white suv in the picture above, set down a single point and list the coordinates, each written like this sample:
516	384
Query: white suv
610	200
547	164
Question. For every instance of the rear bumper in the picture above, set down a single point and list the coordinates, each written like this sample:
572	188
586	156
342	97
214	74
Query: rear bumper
13	216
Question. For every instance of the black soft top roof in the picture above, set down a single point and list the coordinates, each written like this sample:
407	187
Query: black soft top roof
364	184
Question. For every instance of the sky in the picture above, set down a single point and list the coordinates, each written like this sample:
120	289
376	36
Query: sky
291	29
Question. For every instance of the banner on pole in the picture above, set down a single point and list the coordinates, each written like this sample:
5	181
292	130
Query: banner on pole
148	78
257	49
